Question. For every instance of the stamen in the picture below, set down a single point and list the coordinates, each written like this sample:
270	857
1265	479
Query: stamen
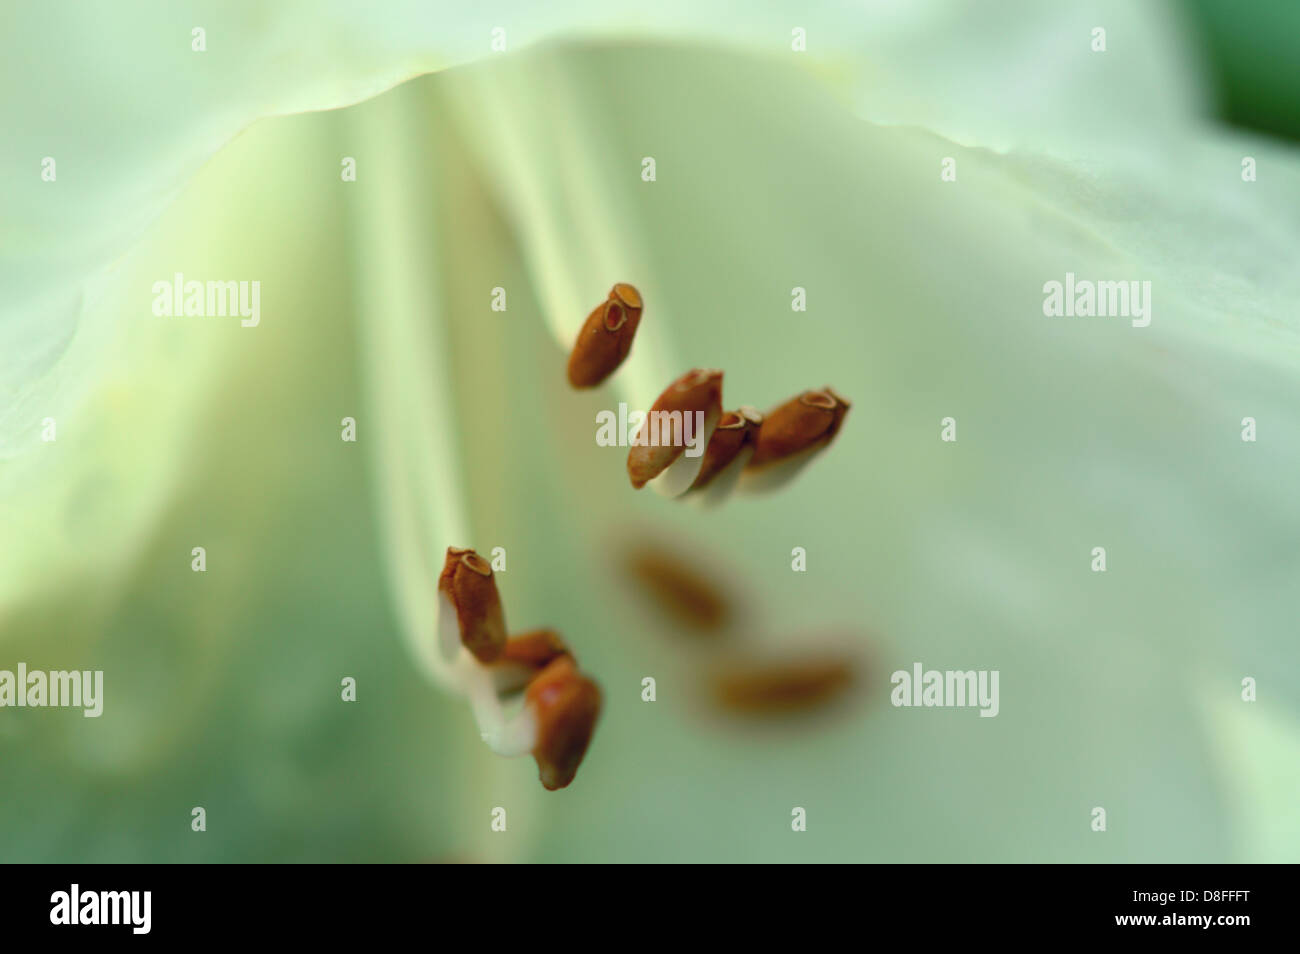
606	337
558	715
468	585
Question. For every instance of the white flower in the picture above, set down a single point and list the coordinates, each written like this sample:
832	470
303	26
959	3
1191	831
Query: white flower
775	169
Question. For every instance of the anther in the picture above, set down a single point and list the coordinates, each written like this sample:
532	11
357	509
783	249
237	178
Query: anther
606	337
791	435
565	706
467	583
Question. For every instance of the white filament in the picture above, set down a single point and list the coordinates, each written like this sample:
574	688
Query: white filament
675	479
509	736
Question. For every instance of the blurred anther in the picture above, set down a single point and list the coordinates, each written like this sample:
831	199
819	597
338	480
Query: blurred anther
780	687
680	587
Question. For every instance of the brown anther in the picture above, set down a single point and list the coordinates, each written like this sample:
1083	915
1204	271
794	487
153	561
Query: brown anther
468	583
808	421
681	588
606	337
782	687
736	430
565	704
653	451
